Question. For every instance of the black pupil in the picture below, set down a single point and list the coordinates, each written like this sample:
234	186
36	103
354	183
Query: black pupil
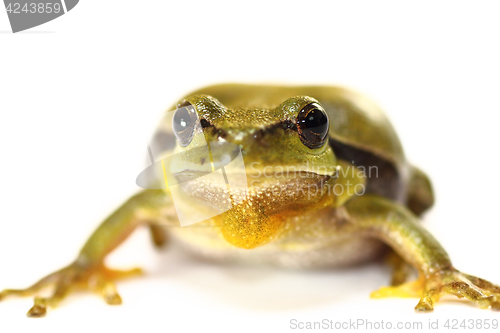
313	125
316	121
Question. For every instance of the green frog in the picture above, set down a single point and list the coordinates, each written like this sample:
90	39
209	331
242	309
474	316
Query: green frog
325	184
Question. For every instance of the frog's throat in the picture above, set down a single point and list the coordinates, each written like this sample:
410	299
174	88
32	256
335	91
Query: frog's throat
256	218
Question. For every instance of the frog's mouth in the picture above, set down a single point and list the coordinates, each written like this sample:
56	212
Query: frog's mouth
274	190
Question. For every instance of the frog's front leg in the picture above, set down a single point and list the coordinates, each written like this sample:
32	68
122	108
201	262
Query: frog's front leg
88	270
399	228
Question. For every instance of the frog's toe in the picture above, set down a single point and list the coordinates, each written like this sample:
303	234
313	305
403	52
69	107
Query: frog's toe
479	291
45	282
407	289
98	279
105	286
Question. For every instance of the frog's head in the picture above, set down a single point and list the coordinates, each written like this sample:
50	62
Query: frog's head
287	163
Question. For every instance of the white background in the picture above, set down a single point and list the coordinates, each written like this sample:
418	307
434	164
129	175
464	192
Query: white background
78	97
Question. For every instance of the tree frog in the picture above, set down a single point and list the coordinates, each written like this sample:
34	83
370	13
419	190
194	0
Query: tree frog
351	196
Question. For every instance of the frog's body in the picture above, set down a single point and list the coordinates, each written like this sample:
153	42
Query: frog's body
308	239
335	137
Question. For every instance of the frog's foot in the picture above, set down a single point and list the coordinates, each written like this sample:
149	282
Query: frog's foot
481	292
429	289
98	279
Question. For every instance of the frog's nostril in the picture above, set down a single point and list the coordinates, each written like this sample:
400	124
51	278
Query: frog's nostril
260	138
258	135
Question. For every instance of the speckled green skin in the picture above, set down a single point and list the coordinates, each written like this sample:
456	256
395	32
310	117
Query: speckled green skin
355	119
322	229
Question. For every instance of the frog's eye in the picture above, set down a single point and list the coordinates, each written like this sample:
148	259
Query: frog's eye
184	123
312	124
